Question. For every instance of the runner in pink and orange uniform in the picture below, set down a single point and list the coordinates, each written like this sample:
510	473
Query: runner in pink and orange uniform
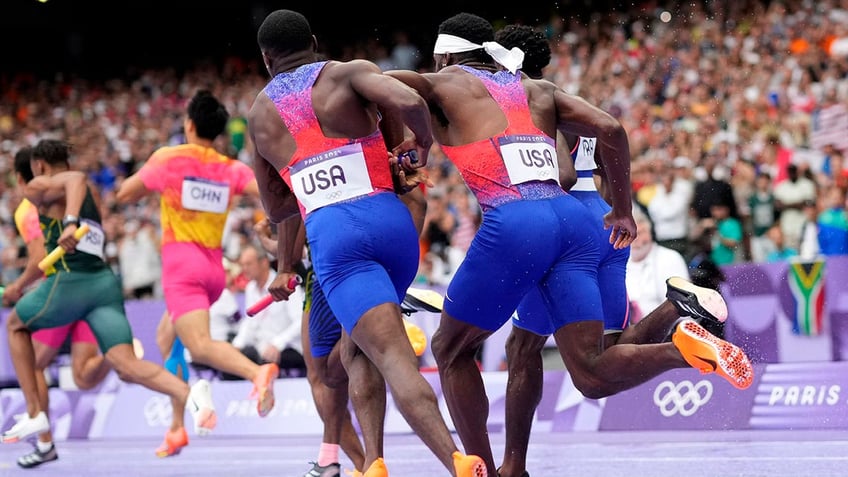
197	186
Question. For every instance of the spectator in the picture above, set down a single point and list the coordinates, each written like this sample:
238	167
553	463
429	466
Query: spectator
438	228
273	334
224	314
726	236
405	55
712	188
833	224
776	250
668	207
468	217
139	261
648	267
808	247
790	196
763	215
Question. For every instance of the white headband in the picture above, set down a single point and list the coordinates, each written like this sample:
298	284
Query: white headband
509	59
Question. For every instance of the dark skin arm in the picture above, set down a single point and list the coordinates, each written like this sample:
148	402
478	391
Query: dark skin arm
575	115
293	249
291	238
35	252
416	202
567	172
399	104
272	139
350	94
47	192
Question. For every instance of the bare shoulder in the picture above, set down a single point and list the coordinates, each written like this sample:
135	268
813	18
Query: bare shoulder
261	109
539	86
346	69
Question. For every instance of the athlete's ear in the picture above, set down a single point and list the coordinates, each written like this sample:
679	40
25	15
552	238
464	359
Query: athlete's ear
267	62
314	43
188	126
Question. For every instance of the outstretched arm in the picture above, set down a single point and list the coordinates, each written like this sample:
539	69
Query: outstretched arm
132	189
70	186
45	190
577	116
397	100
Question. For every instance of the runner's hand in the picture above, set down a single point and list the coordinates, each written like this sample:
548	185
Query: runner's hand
622	229
67	239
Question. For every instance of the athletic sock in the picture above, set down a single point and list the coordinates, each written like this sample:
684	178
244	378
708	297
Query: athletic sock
329	454
43	446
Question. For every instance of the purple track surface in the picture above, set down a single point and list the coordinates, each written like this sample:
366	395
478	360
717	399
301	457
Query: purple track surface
590	454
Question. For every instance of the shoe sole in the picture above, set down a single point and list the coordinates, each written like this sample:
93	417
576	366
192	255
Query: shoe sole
17	438
170	452
424	300
417	337
173	444
710	300
377	469
470	466
27	465
710	354
205	422
205	418
265	391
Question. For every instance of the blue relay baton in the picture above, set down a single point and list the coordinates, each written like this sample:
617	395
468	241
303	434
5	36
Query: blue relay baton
412	155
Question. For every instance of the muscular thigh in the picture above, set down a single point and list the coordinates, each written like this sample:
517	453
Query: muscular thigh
365	254
510	254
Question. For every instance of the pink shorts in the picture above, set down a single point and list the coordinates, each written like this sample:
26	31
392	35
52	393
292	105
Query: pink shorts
193	277
54	337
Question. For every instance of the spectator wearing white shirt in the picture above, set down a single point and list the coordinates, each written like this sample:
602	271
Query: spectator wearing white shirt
225	314
273	334
790	195
139	259
669	208
648	267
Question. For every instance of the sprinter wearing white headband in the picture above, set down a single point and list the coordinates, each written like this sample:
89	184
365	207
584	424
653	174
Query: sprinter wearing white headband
509	59
498	127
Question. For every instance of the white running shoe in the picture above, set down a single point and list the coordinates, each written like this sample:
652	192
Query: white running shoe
202	407
25	427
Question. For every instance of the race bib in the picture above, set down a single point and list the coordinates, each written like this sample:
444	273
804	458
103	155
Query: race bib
529	158
204	195
584	156
94	242
331	177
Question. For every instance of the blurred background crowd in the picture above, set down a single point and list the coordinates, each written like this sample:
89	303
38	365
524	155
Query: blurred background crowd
737	115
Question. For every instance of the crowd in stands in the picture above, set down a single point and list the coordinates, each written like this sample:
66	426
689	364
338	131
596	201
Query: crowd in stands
737	115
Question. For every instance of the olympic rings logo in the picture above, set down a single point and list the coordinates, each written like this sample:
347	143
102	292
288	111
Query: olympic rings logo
684	398
334	195
158	411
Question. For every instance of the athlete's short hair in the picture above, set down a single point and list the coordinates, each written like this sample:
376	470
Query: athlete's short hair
473	28
208	115
284	31
22	163
534	44
52	151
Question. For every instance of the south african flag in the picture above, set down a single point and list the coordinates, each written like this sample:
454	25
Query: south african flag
806	282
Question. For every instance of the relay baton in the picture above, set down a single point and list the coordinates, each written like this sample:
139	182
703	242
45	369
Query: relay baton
59	251
268	299
412	154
